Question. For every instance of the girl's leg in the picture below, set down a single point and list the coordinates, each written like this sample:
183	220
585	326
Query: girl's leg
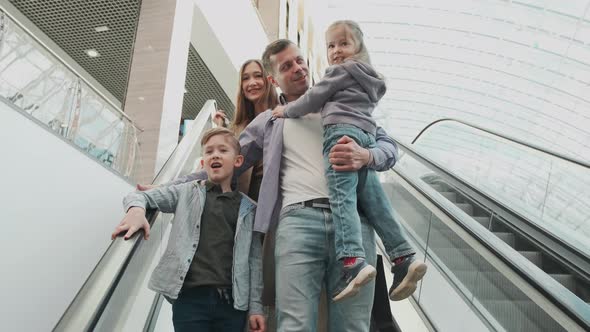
342	187
348	242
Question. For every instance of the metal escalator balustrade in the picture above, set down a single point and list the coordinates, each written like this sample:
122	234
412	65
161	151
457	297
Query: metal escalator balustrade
38	84
115	297
502	230
530	299
545	187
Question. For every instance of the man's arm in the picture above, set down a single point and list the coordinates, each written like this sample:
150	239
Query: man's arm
347	155
256	311
385	154
335	79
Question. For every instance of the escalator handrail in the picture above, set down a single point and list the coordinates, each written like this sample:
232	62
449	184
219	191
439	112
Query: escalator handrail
89	304
506	137
497	203
569	303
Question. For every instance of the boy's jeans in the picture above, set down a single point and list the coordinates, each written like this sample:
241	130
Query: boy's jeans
206	309
305	260
346	188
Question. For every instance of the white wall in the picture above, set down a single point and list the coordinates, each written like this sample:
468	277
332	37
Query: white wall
58	209
226	33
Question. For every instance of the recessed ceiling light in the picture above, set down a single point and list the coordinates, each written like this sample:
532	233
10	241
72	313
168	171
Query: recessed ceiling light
92	53
101	28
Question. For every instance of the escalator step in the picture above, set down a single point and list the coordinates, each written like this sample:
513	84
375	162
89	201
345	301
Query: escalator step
468	208
534	256
567	280
520	316
451	196
437	187
484	221
506	237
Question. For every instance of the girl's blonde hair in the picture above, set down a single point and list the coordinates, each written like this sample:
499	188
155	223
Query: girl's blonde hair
362	54
245	108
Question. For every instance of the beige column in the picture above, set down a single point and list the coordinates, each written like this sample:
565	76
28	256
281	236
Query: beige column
156	79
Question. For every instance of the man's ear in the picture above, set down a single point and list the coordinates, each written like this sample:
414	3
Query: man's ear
239	160
202	162
272	80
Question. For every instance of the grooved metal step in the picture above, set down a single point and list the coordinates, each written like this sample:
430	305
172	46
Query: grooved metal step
451	196
567	280
534	256
506	237
468	208
484	221
437	187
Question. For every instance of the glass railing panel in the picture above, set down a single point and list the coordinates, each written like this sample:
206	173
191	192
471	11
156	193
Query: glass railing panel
482	293
506	305
549	191
116	296
37	83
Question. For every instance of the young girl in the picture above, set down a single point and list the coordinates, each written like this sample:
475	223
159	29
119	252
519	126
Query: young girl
346	97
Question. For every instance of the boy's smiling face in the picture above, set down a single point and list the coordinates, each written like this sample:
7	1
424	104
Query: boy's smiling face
220	158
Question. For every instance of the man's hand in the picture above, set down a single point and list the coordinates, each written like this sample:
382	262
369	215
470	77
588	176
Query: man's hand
257	323
133	221
278	112
348	156
144	187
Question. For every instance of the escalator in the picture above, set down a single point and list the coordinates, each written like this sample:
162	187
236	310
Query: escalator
115	297
512	273
491	267
522	244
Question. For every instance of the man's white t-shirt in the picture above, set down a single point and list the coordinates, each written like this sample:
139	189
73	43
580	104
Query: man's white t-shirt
302	164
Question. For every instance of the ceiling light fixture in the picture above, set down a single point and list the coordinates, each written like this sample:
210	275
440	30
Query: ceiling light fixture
92	53
102	28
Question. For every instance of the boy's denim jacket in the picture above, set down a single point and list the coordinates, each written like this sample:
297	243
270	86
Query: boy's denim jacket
187	201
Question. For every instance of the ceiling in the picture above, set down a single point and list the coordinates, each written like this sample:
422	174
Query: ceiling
518	67
72	26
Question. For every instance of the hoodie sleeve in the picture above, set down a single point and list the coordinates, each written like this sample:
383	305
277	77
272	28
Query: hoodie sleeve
335	79
385	154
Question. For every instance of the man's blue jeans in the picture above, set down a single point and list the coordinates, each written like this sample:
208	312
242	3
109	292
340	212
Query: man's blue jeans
205	309
346	188
305	261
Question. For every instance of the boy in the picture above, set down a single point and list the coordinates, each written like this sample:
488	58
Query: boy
211	269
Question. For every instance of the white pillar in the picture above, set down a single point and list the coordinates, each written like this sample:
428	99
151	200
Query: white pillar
156	79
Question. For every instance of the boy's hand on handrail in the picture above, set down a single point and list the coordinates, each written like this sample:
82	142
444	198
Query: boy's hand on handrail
133	221
257	323
144	187
348	156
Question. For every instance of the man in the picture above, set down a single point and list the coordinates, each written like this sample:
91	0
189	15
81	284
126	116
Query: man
294	200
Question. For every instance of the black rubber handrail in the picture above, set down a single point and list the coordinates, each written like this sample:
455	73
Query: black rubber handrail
506	137
569	303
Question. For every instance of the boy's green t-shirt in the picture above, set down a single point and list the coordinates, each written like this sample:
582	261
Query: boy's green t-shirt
212	263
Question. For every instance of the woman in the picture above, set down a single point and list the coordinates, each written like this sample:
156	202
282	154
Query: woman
255	96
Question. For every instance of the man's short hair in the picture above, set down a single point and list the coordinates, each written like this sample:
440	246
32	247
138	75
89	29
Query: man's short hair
223	132
273	48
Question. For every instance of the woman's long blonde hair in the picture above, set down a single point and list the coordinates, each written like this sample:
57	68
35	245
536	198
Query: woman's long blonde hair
245	112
